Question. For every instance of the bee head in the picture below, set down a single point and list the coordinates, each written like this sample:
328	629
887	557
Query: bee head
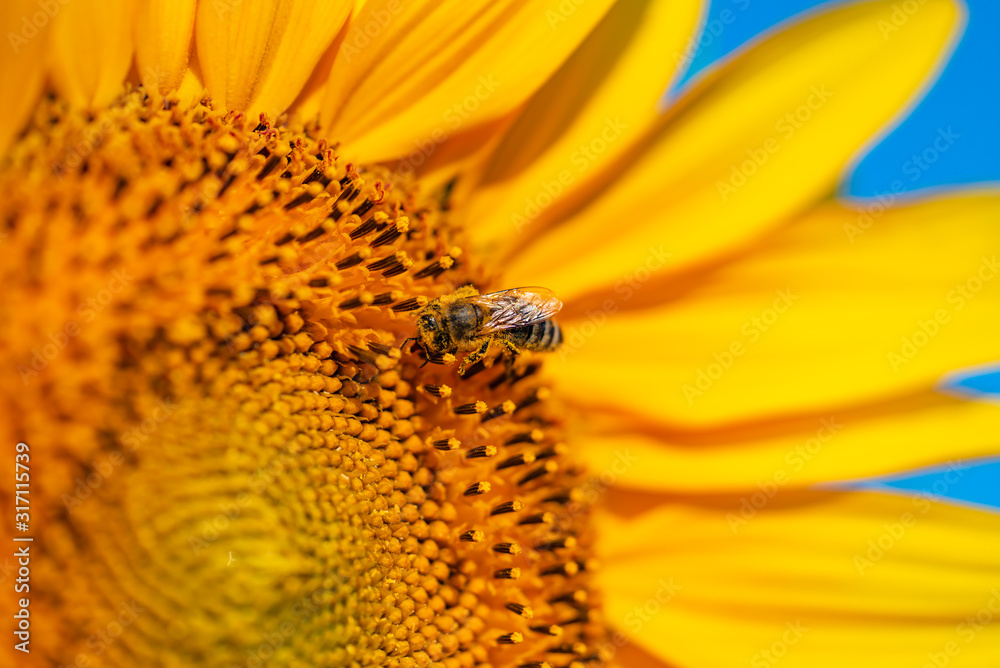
433	335
427	323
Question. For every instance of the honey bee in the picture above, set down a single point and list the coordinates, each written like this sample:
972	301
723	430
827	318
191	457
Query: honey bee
470	322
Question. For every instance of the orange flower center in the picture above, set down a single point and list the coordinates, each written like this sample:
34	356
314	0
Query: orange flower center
238	464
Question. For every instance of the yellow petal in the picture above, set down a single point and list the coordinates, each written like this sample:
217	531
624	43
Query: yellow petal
90	50
311	29
257	56
793	451
192	86
780	122
463	153
310	99
411	74
804	322
597	104
812	580
25	29
163	42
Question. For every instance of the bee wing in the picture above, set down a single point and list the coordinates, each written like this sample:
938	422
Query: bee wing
517	307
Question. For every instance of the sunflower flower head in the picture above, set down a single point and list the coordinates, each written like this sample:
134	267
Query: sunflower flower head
242	452
220	221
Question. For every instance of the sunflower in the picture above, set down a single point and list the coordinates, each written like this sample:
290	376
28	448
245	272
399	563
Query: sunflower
220	217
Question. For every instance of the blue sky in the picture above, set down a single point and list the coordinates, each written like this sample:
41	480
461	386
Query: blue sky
966	100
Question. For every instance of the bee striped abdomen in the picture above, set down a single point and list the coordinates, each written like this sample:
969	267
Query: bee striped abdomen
544	335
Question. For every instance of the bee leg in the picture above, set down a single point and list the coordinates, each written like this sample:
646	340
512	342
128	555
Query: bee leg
510	358
512	350
473	357
402	346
